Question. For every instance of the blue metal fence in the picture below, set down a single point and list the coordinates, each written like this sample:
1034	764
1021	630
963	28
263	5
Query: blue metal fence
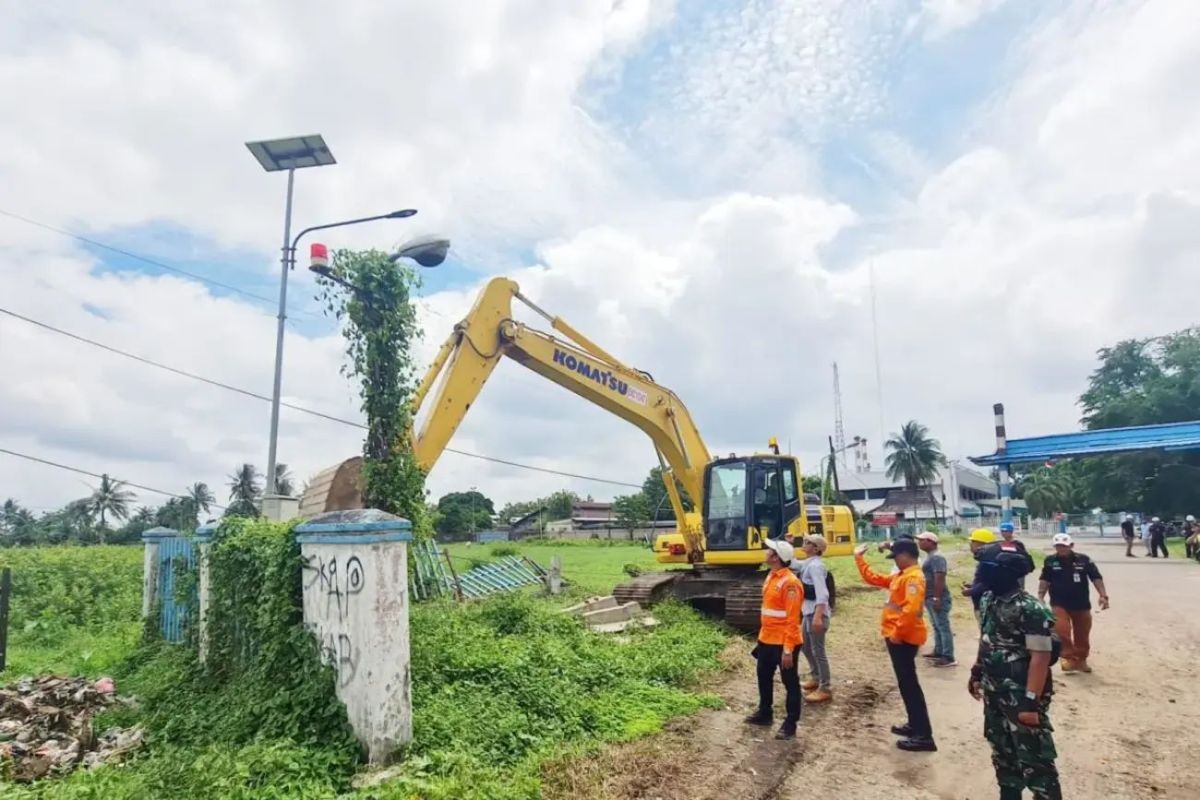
173	600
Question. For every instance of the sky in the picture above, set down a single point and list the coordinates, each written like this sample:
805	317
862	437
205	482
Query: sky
717	193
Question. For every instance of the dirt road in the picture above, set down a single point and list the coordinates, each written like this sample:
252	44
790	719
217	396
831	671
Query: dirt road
1123	731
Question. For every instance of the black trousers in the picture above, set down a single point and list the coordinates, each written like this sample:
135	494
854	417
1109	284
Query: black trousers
770	658
1158	543
904	664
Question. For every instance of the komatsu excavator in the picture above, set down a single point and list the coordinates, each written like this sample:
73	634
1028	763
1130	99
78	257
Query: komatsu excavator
741	501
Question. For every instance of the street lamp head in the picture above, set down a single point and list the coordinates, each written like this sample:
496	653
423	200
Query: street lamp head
403	213
428	251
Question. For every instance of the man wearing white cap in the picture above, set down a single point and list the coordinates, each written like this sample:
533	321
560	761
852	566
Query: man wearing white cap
1066	575
937	600
1158	538
779	639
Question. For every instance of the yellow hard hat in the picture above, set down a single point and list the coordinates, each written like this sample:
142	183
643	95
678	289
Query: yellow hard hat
982	535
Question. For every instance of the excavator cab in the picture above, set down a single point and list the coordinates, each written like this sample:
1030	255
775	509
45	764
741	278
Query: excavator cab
749	499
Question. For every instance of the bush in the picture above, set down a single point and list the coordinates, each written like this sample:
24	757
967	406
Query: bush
502	550
56	589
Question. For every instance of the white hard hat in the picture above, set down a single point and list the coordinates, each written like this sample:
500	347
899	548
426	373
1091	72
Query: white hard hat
784	550
1064	539
1154	519
1190	518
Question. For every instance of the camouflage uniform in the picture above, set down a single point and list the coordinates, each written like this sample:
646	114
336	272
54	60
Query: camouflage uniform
1012	625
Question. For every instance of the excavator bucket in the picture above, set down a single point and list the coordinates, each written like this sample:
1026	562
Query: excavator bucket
338	488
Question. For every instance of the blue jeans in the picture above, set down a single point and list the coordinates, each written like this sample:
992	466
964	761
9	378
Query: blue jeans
943	637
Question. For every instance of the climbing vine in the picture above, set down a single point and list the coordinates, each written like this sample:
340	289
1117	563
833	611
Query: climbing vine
380	327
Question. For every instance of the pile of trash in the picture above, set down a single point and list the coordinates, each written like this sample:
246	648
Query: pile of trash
46	727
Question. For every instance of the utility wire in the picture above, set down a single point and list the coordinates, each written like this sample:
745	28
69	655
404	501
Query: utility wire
148	260
293	407
69	468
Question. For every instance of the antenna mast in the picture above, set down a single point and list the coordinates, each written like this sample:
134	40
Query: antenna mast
839	426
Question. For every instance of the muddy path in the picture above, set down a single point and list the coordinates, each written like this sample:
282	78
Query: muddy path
1124	731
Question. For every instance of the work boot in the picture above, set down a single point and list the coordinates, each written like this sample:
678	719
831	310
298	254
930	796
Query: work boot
904	731
786	731
759	718
818	696
945	661
918	744
810	683
1067	665
1083	666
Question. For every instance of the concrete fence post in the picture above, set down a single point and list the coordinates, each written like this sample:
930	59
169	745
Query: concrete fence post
151	540
203	539
356	604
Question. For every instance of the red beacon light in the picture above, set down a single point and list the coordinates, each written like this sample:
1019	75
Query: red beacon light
318	257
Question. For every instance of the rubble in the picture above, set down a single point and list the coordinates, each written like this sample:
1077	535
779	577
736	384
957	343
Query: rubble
46	727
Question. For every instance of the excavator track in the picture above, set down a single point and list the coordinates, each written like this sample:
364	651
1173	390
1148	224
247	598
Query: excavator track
735	597
743	604
646	590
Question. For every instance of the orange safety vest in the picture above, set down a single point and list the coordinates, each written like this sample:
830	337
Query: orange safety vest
782	598
902	619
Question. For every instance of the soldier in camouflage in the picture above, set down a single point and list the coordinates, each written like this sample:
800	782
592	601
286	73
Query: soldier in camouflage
1012	676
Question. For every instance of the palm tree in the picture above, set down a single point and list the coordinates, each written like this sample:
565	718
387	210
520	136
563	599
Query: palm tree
110	498
201	497
244	491
914	456
1045	491
283	480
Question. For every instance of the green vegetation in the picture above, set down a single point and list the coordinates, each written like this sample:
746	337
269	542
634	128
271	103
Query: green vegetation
74	609
460	513
500	688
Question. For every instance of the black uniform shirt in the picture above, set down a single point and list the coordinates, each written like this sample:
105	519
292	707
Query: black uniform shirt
1127	528
1068	578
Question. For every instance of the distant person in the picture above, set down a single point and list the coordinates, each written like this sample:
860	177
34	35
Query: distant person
1146	537
1066	575
779	639
1127	534
816	614
937	600
1158	538
1190	536
980	537
1012	677
904	631
1008	532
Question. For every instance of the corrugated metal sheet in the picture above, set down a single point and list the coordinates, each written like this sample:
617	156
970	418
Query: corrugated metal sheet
175	555
1175	436
432	576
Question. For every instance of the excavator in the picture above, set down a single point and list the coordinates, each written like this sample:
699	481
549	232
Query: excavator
740	501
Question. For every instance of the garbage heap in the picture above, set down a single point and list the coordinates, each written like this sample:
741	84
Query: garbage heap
46	727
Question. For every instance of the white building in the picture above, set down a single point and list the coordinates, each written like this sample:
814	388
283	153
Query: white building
959	495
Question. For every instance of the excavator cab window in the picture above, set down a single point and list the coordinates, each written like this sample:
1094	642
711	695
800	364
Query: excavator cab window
761	493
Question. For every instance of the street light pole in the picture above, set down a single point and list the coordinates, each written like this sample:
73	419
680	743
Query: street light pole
285	262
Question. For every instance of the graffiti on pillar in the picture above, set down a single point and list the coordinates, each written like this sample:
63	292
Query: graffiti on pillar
338	650
336	581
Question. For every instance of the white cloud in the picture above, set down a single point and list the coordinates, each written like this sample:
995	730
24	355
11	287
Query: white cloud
1066	222
944	17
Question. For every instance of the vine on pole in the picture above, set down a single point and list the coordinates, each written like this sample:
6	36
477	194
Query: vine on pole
379	322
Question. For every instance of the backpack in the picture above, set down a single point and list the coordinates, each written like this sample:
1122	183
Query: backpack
830	585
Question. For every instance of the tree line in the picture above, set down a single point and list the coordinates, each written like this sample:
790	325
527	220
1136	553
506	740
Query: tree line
110	514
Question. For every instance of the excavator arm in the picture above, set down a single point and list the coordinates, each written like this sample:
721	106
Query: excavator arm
488	333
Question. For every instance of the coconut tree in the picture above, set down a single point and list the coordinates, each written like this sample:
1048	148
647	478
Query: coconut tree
914	457
244	492
110	498
1045	491
283	480
201	497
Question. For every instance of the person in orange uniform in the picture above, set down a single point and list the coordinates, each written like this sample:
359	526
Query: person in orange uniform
904	631
779	639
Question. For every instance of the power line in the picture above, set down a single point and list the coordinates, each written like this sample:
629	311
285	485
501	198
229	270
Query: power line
69	468
301	409
148	260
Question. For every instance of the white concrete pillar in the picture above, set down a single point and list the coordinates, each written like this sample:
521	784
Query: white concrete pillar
150	542
280	508
203	542
356	604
